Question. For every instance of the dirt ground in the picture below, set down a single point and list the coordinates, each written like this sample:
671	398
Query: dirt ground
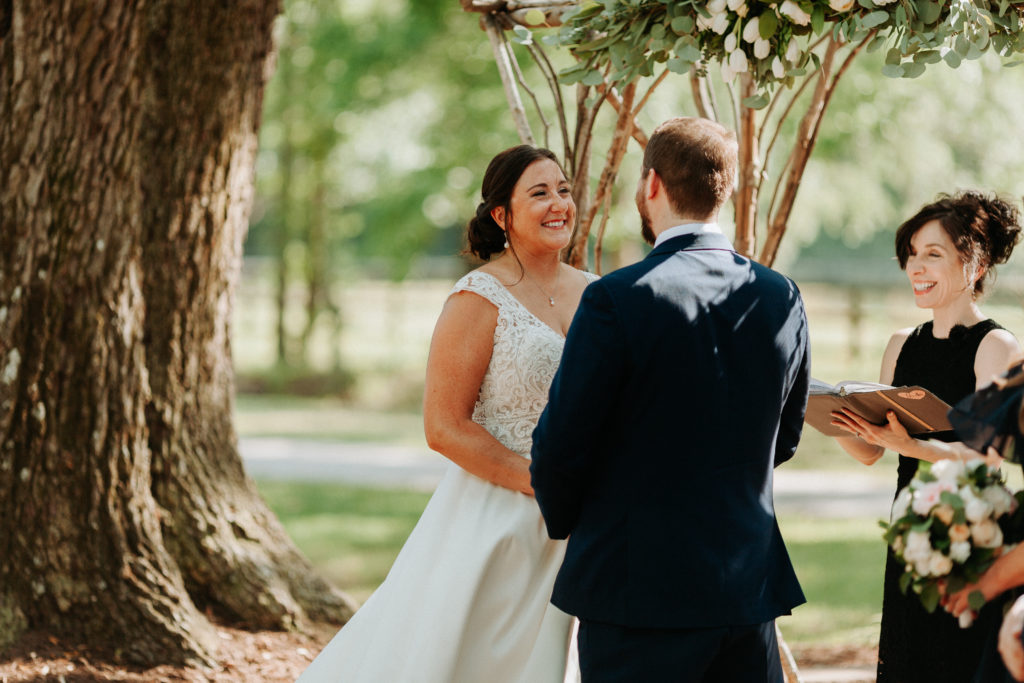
265	656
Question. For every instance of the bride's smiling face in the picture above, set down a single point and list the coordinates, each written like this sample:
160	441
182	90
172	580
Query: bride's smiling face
542	210
936	268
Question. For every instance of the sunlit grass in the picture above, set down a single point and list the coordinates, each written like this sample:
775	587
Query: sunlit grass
353	534
839	563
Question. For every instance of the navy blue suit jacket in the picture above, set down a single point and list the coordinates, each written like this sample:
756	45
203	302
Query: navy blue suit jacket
683	383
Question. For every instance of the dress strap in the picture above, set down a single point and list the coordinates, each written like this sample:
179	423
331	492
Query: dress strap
485	285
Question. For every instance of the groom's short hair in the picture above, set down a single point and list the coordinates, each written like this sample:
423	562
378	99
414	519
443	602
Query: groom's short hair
696	160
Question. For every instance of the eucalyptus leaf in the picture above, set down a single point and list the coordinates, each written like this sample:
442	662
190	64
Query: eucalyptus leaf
535	17
928	57
928	12
817	19
756	102
905	580
875	19
683	25
593	78
768	23
876	43
523	36
893	57
678	65
976	599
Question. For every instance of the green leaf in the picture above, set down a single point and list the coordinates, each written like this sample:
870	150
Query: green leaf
756	102
875	19
976	599
593	78
905	580
535	17
679	65
948	497
817	19
930	597
877	42
767	24
892	70
928	12
523	36
683	25
952	58
893	57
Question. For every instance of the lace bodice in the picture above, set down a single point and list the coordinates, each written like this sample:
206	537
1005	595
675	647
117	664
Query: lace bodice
523	363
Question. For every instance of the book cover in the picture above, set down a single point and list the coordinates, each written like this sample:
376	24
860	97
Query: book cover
920	411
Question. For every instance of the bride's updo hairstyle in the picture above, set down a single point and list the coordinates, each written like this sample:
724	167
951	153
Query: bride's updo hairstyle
983	228
484	236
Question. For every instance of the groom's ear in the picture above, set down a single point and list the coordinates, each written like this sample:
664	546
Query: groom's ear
652	184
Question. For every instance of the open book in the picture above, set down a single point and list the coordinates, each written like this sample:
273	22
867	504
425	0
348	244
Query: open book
920	411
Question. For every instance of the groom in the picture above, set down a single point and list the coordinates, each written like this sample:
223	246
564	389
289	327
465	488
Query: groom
682	385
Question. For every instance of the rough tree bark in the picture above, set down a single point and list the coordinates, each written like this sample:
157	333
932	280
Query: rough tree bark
127	136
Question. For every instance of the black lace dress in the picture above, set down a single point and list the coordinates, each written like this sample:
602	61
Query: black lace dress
915	646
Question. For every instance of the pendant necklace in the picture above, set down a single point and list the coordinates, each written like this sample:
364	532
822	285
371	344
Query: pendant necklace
551	299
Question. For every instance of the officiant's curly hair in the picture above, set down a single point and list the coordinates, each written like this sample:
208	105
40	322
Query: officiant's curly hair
696	160
983	228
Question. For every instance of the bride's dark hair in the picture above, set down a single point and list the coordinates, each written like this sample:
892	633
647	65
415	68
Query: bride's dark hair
483	235
983	228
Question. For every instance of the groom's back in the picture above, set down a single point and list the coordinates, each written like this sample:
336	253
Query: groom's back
678	528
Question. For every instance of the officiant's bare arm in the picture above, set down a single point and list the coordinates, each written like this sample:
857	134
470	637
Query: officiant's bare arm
460	352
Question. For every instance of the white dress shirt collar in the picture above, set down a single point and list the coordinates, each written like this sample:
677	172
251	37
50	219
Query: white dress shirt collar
686	229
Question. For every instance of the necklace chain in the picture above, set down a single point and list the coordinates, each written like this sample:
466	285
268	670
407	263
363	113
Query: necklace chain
551	299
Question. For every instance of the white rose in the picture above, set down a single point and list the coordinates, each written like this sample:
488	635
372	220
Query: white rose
730	42
752	31
923	566
919	546
738	61
944	513
1000	499
792	56
737	6
840	5
987	534
939	565
704	23
959	552
720	24
762	48
880	3
717	6
975	509
779	71
795	13
727	73
959	533
948	470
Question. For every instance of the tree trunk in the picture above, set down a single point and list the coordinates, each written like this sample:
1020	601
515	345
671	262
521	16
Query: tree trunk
199	143
127	134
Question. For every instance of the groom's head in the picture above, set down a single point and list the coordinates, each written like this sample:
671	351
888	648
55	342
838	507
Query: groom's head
695	162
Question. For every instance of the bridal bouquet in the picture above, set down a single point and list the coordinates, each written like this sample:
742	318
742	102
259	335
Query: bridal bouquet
948	526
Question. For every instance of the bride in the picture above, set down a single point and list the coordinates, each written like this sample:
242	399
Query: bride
467	599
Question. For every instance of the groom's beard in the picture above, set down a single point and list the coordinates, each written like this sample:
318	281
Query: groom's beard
645	224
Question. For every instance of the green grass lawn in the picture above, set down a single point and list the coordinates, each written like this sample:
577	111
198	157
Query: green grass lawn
352	535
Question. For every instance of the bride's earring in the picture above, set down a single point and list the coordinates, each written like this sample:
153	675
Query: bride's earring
506	241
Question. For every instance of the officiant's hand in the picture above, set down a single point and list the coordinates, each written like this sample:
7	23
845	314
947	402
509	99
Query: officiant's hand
891	435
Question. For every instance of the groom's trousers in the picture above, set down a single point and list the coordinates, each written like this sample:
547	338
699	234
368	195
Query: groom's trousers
610	653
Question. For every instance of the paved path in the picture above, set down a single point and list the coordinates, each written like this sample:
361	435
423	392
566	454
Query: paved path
822	492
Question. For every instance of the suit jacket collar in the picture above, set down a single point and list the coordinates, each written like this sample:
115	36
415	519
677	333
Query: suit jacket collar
693	240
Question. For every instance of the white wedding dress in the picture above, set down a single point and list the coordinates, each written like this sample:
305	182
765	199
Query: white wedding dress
467	599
